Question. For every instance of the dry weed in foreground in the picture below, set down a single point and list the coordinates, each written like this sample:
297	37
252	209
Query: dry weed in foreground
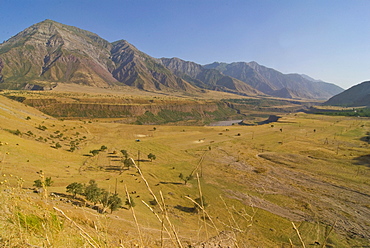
27	221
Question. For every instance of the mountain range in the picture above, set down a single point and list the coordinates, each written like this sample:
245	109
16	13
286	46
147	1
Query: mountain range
49	53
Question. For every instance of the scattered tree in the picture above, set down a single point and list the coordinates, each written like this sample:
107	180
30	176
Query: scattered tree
104	199
151	156
103	148
124	153
92	192
130	202
75	188
128	162
94	152
185	179
115	202
37	183
42	128
57	145
48	182
43	183
201	202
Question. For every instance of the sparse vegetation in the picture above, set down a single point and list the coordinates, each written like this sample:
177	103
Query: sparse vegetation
94	152
186	178
151	156
76	189
264	185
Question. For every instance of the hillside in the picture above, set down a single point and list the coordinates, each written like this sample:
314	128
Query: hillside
255	181
356	96
50	53
274	83
208	78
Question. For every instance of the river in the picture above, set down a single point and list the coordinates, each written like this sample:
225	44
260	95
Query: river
225	123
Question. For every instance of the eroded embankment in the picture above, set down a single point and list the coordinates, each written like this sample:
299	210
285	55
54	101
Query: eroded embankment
144	111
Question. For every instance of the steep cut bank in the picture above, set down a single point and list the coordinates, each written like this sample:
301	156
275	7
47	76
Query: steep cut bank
138	111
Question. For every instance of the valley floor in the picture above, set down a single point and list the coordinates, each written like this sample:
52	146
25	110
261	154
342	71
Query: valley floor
303	180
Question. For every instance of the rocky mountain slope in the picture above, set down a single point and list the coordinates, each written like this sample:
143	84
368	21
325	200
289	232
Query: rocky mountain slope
49	52
208	78
274	83
356	96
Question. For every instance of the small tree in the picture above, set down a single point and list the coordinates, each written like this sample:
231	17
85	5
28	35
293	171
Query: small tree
43	183
103	148
37	183
201	202
104	199
92	192
75	188
124	153
94	152
48	182
115	202
128	162
185	179
130	202
151	156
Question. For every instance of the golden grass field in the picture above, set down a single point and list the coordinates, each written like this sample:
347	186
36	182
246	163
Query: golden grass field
259	182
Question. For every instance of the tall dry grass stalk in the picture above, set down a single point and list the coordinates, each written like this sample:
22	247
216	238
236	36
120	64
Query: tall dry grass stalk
162	205
169	222
134	216
202	205
83	233
299	235
327	235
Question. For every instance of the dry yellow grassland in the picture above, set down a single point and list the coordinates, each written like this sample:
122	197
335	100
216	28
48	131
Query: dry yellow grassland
257	181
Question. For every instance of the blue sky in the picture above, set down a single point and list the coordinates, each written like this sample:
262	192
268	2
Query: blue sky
325	39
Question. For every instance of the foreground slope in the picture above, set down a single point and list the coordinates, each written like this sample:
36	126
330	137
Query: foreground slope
256	180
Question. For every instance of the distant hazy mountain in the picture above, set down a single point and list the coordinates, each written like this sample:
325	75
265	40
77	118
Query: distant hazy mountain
208	78
49	52
358	95
274	83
